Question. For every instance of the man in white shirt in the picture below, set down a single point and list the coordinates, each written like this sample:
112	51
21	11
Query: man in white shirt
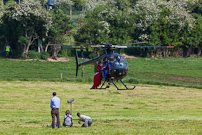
88	121
55	105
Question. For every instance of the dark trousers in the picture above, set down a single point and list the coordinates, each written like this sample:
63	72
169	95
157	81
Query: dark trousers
55	112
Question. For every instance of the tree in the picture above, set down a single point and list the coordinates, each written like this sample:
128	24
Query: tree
59	3
9	26
33	19
61	27
162	22
106	24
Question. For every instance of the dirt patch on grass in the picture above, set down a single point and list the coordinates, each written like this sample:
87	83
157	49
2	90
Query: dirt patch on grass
185	79
59	59
180	78
129	57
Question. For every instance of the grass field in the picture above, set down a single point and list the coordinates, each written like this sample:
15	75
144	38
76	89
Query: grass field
170	72
149	109
171	106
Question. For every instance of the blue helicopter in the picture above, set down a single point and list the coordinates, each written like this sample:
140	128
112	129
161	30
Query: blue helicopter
118	64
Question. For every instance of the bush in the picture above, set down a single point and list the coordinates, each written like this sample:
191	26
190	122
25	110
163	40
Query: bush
16	53
33	54
44	55
92	55
66	53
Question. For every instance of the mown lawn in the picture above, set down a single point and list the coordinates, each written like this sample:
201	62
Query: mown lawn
149	109
170	72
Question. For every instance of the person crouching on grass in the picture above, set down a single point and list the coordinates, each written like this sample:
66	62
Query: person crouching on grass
68	119
88	121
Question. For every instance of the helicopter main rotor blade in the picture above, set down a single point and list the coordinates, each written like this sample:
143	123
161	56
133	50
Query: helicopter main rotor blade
66	47
117	46
111	46
150	46
98	46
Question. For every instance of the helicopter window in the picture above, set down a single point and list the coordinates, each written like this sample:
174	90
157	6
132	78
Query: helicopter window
112	59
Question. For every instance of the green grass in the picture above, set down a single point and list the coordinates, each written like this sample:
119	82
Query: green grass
27	86
149	109
170	72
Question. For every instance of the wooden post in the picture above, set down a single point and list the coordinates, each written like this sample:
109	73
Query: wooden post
61	75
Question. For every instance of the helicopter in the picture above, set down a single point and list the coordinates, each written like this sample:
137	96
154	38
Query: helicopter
118	64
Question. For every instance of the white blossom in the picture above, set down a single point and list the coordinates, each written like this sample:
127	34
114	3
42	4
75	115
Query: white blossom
92	4
178	13
104	27
143	37
1	13
150	11
31	7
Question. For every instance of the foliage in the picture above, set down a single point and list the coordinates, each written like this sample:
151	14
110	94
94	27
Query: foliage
92	55
1	11
92	4
44	55
66	53
29	19
156	21
23	40
8	28
103	25
79	2
63	2
60	29
35	19
33	54
10	2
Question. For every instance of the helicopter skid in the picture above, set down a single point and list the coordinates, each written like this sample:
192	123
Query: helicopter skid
124	85
97	88
128	88
114	85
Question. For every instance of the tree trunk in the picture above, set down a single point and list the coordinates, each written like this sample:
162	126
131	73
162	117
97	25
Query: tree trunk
55	51
189	51
24	49
82	10
27	48
199	51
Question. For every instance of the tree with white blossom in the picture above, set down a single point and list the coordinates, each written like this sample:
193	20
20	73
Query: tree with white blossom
105	24
33	19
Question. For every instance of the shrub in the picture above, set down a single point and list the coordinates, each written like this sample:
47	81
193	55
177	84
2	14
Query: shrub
44	55
92	55
33	54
